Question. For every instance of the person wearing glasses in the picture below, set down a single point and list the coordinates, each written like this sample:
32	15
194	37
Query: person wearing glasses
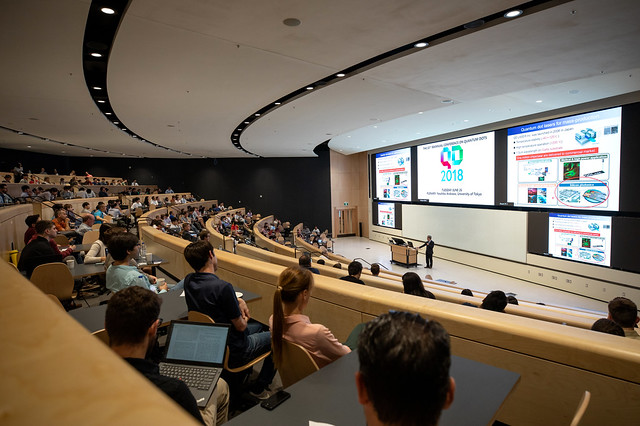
123	247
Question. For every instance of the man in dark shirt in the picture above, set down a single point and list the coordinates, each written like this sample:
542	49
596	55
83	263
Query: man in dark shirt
39	250
429	252
305	262
132	322
355	270
208	294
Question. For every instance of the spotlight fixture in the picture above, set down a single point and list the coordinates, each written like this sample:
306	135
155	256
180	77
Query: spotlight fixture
513	13
309	87
340	74
97	88
421	44
96	55
276	103
101	101
107	11
107	113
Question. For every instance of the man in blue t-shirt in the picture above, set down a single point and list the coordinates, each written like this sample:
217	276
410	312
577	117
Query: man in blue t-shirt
208	294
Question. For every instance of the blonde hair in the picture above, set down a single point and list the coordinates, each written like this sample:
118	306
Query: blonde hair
291	282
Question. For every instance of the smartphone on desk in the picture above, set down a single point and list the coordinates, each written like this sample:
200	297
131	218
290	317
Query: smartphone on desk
275	400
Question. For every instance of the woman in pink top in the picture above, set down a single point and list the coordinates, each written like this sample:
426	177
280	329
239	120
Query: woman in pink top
289	301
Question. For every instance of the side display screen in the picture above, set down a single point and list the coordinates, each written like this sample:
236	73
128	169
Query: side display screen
580	237
387	215
393	175
567	163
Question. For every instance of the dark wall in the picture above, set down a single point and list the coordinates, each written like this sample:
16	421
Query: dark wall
294	189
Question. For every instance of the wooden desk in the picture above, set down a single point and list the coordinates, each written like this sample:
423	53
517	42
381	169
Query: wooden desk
404	255
329	395
173	307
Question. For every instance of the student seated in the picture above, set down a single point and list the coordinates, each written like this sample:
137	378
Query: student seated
208	294
404	370
305	262
413	285
624	312
124	246
355	270
132	322
375	269
495	301
288	321
604	325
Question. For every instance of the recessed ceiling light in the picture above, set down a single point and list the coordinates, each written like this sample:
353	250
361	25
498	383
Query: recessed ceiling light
97	88
375	127
513	13
340	74
277	103
421	112
21	133
134	136
116	122
348	136
107	10
446	101
63	151
421	44
107	113
240	129
246	122
28	146
96	55
309	87
466	121
539	101
257	114
101	101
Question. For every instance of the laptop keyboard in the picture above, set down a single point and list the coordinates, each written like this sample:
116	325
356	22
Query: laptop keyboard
194	377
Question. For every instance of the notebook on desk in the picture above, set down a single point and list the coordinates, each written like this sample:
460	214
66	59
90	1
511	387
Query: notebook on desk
194	353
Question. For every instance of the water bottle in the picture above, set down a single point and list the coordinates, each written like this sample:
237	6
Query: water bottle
143	251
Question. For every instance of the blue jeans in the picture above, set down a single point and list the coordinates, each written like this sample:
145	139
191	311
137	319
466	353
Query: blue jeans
259	342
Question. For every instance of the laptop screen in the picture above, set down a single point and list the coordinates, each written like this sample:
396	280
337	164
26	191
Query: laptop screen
196	343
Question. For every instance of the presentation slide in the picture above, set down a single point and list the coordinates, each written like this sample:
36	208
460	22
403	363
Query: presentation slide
580	237
393	175
387	215
458	171
571	162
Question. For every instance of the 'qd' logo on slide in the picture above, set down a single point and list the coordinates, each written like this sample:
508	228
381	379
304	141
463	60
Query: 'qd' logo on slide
451	156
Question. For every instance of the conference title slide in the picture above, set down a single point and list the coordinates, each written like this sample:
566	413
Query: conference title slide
458	171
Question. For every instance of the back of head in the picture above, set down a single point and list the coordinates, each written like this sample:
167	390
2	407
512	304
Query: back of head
467	292
413	285
355	268
130	313
320	262
604	325
338	265
120	244
304	261
623	312
404	364
31	220
197	254
511	300
291	282
495	301
375	269
103	228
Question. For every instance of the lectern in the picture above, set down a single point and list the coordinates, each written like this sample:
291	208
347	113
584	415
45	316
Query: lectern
404	255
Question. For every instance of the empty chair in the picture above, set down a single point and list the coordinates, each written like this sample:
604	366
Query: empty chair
90	236
297	363
54	278
61	240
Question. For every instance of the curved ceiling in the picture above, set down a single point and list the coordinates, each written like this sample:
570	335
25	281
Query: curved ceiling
183	74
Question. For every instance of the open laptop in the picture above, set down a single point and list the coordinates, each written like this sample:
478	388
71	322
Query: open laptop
195	354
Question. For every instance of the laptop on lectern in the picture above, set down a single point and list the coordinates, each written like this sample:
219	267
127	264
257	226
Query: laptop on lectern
195	354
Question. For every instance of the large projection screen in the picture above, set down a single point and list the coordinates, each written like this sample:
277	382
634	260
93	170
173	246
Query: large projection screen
496	233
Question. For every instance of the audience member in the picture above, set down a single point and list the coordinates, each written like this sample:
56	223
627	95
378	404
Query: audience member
404	370
355	270
39	250
87	223
511	300
605	325
375	269
30	221
123	247
337	265
495	301
413	285
98	213
320	262
206	293
97	253
624	312
5	198
291	297
204	235
467	292
305	262
132	322
86	208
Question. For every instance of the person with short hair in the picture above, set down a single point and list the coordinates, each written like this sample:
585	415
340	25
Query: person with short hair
624	312
355	271
605	325
467	292
98	213
511	300
30	221
39	250
5	198
403	377
132	322
305	262
208	294
26	192
288	322
86	208
124	246
428	252
412	284
495	301
87	224
204	235
375	269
